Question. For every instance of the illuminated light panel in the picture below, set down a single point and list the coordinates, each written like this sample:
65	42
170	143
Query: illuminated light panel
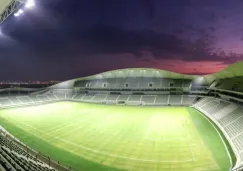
16	14
30	4
20	11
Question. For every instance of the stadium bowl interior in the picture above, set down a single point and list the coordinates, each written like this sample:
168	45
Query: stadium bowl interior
130	119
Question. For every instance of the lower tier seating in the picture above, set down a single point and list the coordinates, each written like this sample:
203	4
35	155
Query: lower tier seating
14	158
47	97
229	117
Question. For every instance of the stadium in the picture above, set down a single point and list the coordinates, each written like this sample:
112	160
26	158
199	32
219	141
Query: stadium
129	119
134	119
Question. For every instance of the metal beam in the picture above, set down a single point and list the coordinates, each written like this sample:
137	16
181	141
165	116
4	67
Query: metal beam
11	8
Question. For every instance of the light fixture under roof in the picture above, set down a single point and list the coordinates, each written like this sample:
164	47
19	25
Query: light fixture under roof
16	14
30	4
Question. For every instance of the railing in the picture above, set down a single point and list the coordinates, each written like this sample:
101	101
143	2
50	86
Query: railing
215	121
51	162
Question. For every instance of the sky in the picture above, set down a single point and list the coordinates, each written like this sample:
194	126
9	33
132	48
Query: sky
62	39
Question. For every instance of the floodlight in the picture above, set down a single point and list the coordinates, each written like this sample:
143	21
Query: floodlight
30	4
16	14
20	11
199	80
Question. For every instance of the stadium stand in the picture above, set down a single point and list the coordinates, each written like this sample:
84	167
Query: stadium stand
14	158
132	83
149	99
112	97
135	87
230	121
175	100
163	99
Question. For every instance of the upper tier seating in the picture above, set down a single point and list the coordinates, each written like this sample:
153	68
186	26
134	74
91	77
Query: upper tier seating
132	83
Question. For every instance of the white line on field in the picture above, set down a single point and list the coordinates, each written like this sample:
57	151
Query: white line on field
107	154
188	140
61	128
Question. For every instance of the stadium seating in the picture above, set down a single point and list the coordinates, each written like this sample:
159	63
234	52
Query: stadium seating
132	83
99	97
230	120
14	158
188	100
134	98
47	97
78	96
175	100
112	97
162	100
149	99
123	97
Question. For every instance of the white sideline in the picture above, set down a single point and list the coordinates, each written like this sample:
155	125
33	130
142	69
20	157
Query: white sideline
107	154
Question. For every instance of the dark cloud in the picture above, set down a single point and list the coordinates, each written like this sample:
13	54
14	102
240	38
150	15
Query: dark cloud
149	4
78	34
111	40
212	17
211	28
224	17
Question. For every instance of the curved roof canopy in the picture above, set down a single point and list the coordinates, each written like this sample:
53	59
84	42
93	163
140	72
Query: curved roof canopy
139	72
234	70
7	7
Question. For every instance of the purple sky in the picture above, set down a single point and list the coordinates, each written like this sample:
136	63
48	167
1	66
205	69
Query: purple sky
62	40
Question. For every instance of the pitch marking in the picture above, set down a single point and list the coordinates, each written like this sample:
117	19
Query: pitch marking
107	154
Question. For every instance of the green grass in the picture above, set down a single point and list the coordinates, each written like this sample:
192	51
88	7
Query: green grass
100	137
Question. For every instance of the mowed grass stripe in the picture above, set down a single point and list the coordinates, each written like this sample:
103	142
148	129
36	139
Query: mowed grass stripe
121	137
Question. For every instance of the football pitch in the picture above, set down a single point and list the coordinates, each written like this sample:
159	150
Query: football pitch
108	137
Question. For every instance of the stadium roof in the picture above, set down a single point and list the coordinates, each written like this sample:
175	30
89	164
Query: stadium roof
234	70
139	72
7	7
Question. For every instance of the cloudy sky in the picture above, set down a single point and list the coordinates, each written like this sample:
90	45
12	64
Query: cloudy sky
62	39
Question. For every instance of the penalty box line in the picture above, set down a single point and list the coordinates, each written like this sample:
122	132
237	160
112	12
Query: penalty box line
103	153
